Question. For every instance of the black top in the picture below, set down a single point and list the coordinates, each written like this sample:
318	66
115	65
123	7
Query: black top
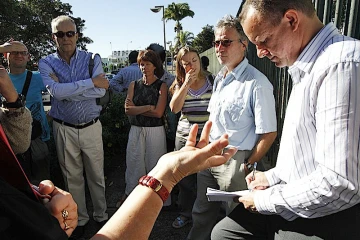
146	95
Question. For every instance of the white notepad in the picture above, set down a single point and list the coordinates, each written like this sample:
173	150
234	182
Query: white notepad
215	195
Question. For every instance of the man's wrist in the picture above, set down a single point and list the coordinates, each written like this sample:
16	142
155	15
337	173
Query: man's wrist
248	165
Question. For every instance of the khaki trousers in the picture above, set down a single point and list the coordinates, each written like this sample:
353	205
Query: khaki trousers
227	177
79	149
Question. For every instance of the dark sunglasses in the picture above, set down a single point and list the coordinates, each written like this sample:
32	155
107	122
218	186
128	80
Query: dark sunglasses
224	43
61	34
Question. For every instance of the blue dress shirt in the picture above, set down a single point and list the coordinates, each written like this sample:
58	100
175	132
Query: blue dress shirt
74	96
242	105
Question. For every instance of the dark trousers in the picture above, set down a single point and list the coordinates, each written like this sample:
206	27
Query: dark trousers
242	224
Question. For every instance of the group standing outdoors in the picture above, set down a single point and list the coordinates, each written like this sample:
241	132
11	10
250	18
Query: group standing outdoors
311	193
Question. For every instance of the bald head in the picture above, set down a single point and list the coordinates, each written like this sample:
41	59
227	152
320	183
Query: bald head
274	10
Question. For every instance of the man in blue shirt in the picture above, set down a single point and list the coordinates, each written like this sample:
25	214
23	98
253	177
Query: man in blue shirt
243	106
125	76
37	166
76	126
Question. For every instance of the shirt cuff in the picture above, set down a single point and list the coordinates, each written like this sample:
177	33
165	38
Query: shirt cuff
262	202
271	176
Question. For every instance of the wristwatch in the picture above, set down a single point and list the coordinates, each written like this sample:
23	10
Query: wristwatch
19	103
248	165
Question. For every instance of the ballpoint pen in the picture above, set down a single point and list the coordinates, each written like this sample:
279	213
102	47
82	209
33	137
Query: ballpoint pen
253	176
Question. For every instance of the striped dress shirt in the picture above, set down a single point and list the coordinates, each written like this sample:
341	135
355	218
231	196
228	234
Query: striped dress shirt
74	96
317	171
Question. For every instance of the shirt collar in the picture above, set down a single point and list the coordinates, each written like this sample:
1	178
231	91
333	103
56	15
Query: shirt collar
73	56
308	56
237	71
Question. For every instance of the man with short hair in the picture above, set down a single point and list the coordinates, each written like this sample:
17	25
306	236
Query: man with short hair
35	163
313	191
76	126
125	76
243	106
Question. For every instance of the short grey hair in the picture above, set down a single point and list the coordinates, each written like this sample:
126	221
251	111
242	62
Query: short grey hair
63	18
228	21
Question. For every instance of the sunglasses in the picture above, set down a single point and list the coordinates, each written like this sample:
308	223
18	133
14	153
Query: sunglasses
22	53
224	43
61	34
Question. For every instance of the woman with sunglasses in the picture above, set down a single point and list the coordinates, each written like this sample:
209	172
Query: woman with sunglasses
145	105
191	92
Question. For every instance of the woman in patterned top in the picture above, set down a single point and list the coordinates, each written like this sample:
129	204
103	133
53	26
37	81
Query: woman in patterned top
191	94
145	104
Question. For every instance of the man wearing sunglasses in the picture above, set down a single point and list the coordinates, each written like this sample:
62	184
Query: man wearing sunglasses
35	161
243	106
76	126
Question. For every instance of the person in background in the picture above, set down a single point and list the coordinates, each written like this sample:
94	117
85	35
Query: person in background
242	105
18	210
145	105
36	162
313	191
171	119
191	92
76	126
120	83
167	77
205	65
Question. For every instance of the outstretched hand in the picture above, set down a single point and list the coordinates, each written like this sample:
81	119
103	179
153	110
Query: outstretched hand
192	158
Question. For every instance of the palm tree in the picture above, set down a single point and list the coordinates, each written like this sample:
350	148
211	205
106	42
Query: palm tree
177	12
184	38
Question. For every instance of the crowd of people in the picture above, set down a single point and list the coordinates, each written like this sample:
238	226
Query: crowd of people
191	130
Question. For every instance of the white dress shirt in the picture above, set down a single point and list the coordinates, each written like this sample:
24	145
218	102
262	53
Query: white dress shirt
317	171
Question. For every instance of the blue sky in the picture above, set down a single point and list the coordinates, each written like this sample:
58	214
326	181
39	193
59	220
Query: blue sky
132	25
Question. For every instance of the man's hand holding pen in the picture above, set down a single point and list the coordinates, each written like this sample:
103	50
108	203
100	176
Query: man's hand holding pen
255	180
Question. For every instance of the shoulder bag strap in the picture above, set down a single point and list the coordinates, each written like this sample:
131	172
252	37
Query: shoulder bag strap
27	83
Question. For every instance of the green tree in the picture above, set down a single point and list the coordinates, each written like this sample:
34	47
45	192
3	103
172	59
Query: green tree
184	38
203	41
177	12
30	21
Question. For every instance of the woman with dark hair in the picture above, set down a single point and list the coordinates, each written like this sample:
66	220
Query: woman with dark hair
145	104
191	92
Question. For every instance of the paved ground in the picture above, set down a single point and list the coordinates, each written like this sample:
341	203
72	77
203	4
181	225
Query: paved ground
115	185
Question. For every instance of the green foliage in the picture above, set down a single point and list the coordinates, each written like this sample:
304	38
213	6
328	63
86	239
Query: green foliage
115	127
203	41
184	38
29	21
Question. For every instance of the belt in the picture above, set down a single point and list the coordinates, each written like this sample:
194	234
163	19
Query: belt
78	126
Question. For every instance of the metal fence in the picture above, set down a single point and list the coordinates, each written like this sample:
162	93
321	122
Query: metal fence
344	14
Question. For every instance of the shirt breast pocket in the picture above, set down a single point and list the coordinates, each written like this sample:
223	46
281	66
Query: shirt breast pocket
234	110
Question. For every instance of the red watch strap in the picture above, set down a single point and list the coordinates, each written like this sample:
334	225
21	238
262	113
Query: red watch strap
155	185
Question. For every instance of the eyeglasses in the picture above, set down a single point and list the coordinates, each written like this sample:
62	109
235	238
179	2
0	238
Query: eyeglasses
224	43
22	53
61	34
